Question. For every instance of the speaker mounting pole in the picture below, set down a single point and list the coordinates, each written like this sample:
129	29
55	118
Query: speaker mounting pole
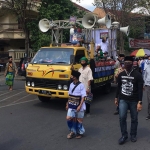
56	28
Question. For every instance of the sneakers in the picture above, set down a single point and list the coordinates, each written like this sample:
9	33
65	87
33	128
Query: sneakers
122	140
133	138
148	117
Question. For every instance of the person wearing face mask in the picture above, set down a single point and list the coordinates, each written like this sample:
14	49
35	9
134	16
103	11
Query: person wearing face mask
75	107
130	93
86	78
10	72
147	85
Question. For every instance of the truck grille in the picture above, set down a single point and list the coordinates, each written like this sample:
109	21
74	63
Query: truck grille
47	83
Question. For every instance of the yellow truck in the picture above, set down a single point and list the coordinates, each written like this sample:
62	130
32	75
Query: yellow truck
48	74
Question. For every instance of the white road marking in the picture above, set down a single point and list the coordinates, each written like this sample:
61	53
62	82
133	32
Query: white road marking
12	90
21	98
18	103
11	96
4	93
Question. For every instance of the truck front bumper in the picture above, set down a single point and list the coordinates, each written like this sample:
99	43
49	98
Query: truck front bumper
47	92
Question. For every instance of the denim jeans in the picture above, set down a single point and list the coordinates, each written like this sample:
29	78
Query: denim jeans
123	109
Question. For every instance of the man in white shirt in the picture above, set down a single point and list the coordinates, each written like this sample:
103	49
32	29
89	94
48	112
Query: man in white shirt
104	45
86	78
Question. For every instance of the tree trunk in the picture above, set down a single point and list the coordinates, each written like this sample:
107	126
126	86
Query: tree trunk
26	43
121	44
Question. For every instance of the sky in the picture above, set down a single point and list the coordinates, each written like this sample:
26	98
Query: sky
86	4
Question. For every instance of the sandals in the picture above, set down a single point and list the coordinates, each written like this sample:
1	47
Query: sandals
71	135
79	136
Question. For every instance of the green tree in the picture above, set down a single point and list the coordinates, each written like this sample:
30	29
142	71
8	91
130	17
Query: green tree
51	10
121	11
25	10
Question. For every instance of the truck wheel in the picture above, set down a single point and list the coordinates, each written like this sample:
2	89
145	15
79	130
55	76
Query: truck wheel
43	98
107	88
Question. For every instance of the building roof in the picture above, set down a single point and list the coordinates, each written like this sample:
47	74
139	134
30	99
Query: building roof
80	7
101	13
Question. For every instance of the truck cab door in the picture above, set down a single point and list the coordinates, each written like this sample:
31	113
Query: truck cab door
79	54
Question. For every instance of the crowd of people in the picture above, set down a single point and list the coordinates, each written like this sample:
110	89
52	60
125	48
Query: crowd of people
132	76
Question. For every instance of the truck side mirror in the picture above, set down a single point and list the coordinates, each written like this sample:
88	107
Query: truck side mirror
72	59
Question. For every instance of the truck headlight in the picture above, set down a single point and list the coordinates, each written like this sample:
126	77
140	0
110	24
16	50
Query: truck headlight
28	83
65	87
59	87
32	84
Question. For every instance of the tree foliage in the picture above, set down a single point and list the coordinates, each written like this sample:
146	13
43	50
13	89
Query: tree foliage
23	10
121	11
52	10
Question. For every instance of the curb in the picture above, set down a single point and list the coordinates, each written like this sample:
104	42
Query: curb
22	79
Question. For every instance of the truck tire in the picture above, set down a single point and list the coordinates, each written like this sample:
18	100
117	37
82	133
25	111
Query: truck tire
43	98
107	88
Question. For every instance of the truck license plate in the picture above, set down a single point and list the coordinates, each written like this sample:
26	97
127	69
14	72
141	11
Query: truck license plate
44	92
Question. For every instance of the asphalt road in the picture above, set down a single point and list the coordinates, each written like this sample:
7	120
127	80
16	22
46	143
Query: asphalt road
28	124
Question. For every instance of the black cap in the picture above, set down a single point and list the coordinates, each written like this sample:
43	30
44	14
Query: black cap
105	52
75	74
9	57
121	55
128	58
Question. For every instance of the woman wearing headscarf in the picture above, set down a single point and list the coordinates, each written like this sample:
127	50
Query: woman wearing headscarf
10	72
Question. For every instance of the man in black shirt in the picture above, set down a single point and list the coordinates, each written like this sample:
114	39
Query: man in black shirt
130	92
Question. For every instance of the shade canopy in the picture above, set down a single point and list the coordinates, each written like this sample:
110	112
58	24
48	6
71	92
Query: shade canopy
140	52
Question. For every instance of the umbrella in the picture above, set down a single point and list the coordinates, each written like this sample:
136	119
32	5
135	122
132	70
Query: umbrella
140	52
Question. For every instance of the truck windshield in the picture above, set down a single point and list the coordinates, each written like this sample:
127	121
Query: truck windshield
53	56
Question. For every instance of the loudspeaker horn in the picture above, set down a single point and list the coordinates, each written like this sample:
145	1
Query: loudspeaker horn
125	30
105	21
89	20
44	25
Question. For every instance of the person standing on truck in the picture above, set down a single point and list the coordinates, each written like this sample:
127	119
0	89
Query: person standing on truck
104	45
10	73
98	49
76	107
86	78
77	37
130	93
